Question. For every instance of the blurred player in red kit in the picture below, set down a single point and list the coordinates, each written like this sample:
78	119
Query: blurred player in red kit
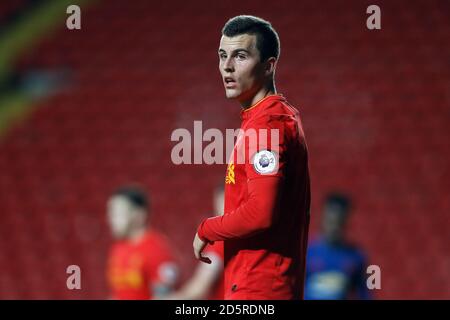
140	264
267	196
207	280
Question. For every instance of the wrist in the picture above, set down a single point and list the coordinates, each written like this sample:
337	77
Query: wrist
201	234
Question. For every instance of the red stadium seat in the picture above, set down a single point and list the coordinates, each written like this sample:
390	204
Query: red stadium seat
373	108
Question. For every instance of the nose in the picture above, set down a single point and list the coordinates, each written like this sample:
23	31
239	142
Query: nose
228	65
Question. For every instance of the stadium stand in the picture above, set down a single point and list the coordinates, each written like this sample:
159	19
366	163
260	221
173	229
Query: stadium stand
375	107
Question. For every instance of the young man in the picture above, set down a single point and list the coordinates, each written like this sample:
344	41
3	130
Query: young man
335	269
267	196
140	264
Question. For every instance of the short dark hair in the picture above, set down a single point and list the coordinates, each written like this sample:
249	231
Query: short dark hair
339	200
267	40
135	195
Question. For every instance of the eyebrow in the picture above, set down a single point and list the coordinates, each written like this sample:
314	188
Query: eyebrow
235	51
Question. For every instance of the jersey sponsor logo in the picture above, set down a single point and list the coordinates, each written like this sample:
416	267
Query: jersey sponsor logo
230	177
126	274
328	285
126	279
265	162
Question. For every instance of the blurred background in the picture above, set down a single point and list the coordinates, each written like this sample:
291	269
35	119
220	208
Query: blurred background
85	111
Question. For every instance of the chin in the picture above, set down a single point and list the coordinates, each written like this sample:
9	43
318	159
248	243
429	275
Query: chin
231	94
119	235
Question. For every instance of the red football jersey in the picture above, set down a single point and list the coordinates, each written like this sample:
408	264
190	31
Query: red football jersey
134	269
267	202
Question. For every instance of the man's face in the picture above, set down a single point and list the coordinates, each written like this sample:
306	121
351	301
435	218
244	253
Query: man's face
120	216
241	67
333	224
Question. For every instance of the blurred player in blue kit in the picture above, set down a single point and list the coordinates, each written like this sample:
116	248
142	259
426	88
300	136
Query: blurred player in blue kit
335	269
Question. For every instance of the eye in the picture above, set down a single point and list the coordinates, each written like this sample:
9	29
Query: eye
222	56
241	56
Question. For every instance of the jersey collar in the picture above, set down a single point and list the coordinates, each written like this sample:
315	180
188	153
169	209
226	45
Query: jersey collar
247	113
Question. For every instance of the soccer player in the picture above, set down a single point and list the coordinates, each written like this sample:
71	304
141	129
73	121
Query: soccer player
140	264
267	196
335	269
207	281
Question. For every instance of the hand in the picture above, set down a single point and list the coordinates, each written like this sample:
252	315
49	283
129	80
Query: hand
199	245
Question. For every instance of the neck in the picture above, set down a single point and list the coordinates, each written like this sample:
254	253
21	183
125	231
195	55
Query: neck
261	94
335	241
137	234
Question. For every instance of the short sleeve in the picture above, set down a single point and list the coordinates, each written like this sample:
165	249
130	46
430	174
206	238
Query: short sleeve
265	148
161	266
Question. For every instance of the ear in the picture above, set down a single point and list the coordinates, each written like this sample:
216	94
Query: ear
270	66
141	216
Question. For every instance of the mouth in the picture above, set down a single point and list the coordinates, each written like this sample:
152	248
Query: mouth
229	82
